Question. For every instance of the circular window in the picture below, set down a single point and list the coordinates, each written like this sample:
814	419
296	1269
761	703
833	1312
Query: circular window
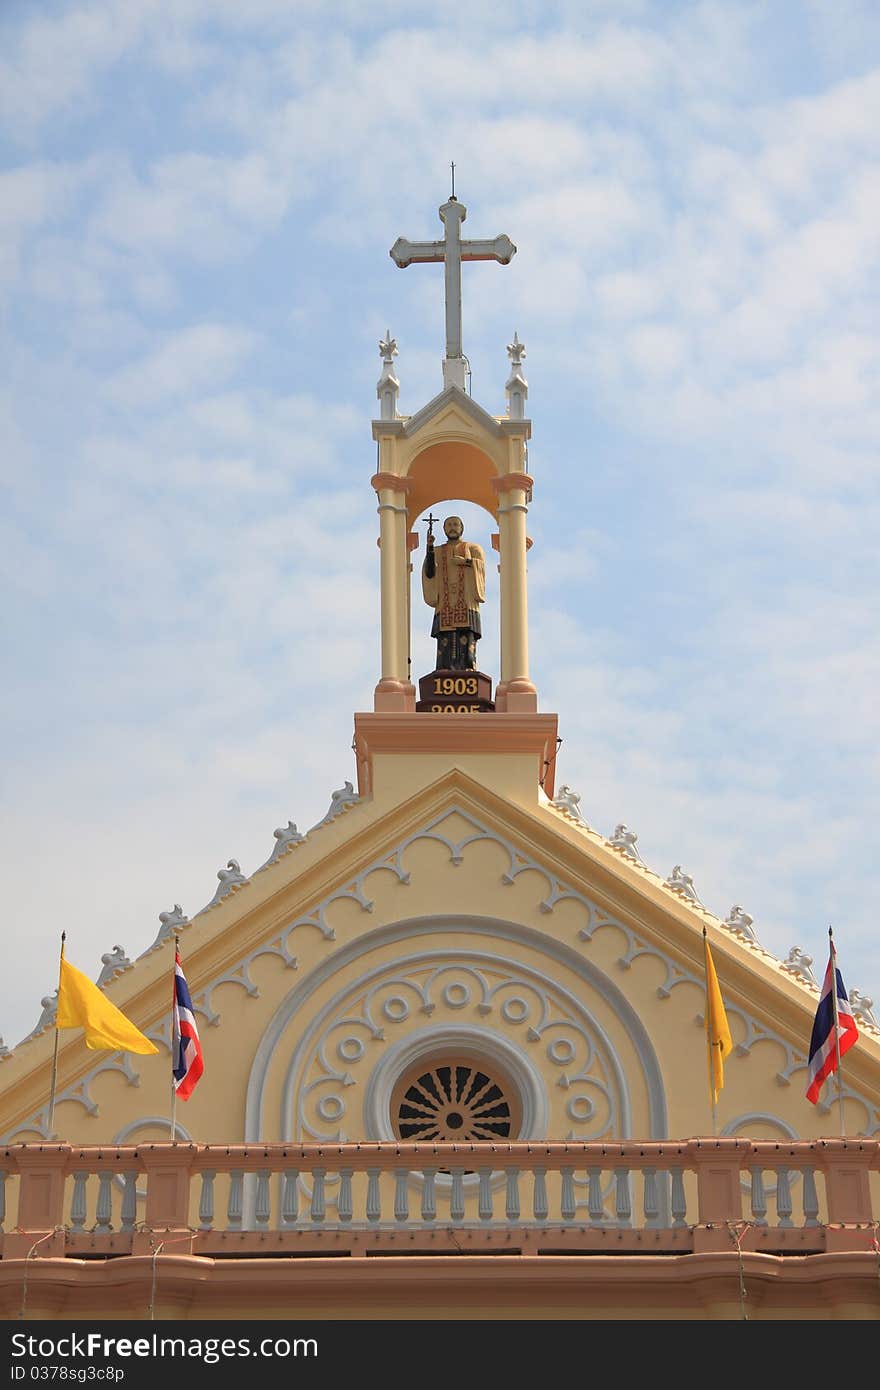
442	1067
455	1097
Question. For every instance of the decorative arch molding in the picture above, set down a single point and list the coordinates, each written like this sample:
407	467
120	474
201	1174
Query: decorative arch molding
424	1044
577	1046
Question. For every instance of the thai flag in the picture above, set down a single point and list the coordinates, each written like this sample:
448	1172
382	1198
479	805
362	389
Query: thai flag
186	1050
825	1047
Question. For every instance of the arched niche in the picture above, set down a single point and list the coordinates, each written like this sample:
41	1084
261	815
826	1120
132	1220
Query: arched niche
450	469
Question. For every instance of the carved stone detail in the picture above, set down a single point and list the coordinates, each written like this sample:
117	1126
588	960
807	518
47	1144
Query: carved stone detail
862	1008
79	1092
682	883
49	1003
568	801
339	801
798	963
172	922
740	922
286	837
625	839
230	878
113	963
439	985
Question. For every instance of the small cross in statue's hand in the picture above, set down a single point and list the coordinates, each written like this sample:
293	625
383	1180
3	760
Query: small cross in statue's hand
431	519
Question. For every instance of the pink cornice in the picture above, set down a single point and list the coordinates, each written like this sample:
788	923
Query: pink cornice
509	482
390	482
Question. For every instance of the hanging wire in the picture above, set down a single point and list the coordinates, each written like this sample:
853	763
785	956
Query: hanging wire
737	1230
27	1258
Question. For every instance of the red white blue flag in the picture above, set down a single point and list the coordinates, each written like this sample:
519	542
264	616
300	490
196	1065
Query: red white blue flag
186	1050
828	1043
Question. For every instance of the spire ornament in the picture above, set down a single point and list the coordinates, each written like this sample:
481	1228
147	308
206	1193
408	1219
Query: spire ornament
387	387
452	251
516	386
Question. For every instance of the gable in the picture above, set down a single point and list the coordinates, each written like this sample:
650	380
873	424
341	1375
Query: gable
387	935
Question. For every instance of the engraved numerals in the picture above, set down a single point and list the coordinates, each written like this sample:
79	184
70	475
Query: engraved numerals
455	685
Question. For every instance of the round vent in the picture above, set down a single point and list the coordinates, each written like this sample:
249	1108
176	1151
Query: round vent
455	1098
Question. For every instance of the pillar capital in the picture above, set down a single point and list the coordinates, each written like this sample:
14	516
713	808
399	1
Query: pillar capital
390	482
510	482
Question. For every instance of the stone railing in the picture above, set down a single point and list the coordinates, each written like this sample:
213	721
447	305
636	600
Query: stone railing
531	1198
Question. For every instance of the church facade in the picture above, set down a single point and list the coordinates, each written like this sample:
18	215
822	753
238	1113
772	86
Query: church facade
456	1059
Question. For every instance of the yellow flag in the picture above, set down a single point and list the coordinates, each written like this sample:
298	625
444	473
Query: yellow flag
718	1038
82	1005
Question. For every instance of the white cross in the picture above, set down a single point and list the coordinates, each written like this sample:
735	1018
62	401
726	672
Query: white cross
452	251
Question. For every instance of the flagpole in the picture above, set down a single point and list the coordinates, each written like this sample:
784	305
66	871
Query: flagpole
54	1078
709	1043
836	1028
173	1005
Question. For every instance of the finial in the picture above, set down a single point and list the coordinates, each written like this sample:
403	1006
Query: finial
516	386
388	348
452	167
387	387
452	251
516	351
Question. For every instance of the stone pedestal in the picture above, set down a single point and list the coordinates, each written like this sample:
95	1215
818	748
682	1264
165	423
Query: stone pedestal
455	692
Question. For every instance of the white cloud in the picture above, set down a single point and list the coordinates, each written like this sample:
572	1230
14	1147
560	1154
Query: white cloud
191	360
198	277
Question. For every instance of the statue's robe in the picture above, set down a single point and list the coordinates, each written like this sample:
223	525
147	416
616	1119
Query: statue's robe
455	593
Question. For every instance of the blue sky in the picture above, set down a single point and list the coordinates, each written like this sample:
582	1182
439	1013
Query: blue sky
196	210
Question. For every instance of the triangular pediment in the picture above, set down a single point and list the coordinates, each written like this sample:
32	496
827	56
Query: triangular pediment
450	405
454	878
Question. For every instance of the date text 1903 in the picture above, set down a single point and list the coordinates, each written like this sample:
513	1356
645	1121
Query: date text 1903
455	692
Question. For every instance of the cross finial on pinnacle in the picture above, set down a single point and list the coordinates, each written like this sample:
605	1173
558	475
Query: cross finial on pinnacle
452	251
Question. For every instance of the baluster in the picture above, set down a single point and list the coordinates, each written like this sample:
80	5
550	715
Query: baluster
651	1198
622	1198
104	1207
783	1197
319	1210
811	1198
678	1205
78	1201
234	1201
568	1206
456	1196
539	1198
206	1201
374	1200
511	1209
485	1202
758	1197
595	1205
289	1209
129	1201
401	1198
344	1206
262	1206
429	1197
2	1198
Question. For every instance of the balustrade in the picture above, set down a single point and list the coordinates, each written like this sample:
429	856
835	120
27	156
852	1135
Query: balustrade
808	1196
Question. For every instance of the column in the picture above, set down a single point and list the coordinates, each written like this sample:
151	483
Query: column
395	691
515	693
